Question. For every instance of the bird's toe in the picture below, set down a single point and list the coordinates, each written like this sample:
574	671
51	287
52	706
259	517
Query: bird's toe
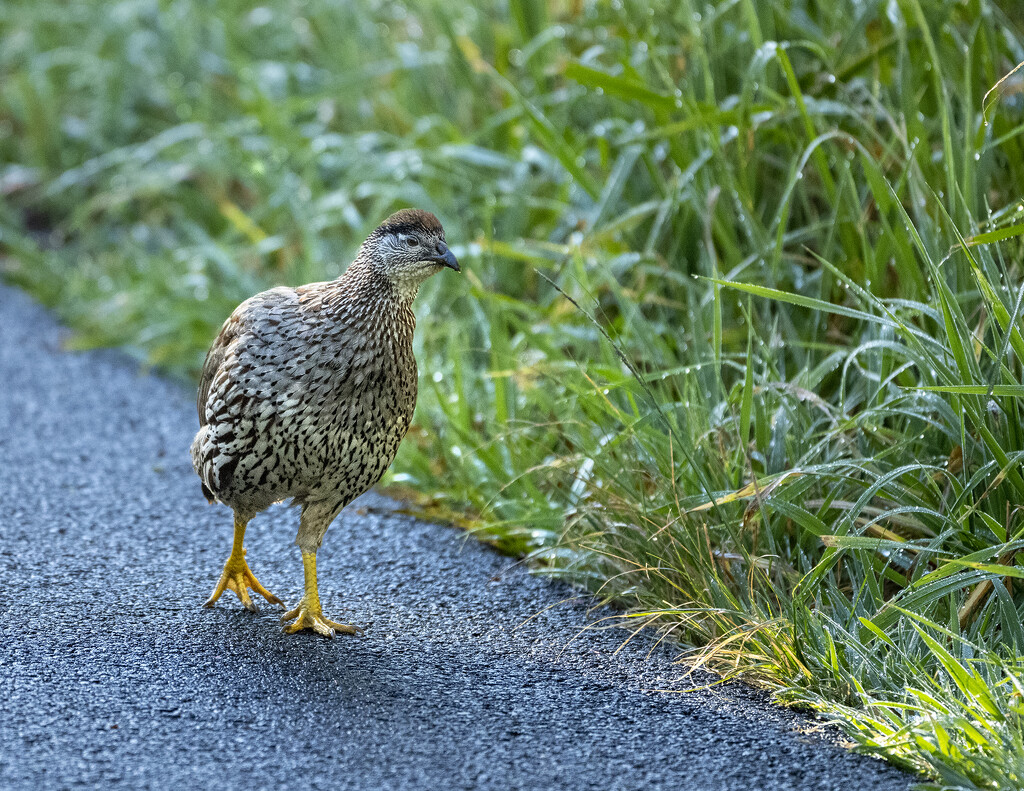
310	617
237	577
343	628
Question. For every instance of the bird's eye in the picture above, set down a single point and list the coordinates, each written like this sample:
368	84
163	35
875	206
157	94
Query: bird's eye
412	241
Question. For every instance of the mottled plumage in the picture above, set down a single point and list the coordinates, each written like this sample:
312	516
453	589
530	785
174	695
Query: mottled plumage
307	392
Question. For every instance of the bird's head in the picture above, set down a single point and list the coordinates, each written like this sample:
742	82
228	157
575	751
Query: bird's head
407	248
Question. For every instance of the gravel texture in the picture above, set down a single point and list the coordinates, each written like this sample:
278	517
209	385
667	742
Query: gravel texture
112	675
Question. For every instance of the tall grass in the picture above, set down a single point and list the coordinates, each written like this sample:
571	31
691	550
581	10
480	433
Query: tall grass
739	342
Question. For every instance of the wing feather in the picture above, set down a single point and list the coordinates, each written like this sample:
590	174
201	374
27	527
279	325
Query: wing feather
214	357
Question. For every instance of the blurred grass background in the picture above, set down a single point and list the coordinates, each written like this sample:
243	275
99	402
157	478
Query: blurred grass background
739	342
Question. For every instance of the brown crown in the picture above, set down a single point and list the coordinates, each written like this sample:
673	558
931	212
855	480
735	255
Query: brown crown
409	220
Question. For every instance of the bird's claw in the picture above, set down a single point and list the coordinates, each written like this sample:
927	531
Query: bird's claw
310	617
238	578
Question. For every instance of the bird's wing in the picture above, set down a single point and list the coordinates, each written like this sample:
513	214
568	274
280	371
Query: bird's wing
259	330
227	335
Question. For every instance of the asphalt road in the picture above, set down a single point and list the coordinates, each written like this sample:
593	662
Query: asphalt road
112	675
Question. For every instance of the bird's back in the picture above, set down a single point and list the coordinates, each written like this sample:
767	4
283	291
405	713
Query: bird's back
306	393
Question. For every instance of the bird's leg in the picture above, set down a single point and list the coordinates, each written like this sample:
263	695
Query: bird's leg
237	576
308	614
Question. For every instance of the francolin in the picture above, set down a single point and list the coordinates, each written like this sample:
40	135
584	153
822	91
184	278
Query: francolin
306	394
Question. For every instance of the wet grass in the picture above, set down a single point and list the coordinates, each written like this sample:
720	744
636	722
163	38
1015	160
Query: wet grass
739	340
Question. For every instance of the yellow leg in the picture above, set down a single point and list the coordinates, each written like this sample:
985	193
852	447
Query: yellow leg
308	614
237	576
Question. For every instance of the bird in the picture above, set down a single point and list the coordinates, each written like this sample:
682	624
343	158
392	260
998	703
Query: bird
306	394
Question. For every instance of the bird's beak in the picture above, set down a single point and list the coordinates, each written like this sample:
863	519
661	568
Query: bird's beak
445	257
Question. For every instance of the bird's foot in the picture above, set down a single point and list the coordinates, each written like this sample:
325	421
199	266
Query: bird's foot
238	578
308	616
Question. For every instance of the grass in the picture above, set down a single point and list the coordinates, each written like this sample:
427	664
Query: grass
739	341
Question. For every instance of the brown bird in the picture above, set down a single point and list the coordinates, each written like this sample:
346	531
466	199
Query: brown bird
306	394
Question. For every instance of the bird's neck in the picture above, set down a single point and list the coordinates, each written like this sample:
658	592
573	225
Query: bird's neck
363	289
367	276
